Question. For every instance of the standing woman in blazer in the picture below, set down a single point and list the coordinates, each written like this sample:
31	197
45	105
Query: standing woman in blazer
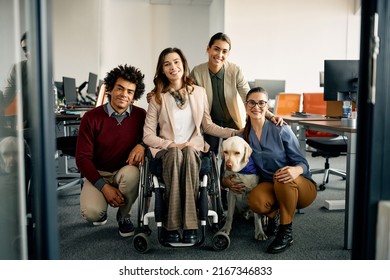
225	86
181	111
226	90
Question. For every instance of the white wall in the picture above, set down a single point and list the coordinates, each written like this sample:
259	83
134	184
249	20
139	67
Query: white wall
135	32
75	38
217	17
290	40
125	31
278	39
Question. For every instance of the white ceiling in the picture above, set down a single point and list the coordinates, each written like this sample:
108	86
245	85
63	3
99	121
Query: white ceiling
181	2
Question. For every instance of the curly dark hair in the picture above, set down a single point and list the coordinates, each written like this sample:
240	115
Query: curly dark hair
128	73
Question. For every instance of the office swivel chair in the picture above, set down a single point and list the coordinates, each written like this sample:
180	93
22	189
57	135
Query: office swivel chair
66	145
324	144
102	96
327	147
314	103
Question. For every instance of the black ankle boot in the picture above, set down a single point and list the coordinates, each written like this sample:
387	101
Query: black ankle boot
282	240
273	225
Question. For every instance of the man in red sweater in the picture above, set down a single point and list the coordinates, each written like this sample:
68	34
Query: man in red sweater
110	149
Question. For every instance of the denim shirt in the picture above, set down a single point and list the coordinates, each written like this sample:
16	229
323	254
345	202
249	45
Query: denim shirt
278	147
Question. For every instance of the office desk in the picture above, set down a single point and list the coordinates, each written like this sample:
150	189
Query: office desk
65	122
309	117
293	121
350	132
67	117
66	125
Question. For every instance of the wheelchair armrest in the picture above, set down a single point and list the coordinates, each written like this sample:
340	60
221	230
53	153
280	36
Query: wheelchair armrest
205	166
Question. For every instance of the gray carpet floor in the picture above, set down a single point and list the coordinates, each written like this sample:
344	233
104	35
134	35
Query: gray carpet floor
318	232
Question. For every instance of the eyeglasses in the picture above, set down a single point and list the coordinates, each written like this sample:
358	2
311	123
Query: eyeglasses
251	103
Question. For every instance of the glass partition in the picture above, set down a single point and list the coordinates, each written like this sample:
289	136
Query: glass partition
27	176
13	200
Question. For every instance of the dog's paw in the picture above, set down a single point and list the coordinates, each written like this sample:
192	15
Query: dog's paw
261	236
264	220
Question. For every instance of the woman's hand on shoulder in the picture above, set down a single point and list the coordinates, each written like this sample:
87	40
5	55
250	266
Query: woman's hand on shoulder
278	120
149	96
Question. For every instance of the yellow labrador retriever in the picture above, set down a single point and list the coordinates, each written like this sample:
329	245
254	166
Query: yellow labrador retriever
236	153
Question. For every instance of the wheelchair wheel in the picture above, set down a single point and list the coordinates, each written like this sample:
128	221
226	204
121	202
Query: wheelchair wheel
221	241
141	242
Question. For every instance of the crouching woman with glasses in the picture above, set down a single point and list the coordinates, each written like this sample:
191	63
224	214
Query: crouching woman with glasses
285	180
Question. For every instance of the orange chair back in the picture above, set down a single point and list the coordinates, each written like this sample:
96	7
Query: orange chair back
287	103
314	103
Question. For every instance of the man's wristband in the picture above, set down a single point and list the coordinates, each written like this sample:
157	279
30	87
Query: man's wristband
143	145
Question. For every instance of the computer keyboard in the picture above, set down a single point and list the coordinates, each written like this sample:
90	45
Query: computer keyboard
300	114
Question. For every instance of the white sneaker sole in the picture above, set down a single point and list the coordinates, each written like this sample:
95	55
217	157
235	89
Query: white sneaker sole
100	223
126	234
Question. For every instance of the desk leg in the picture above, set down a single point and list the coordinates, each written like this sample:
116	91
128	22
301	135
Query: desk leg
302	139
294	127
350	190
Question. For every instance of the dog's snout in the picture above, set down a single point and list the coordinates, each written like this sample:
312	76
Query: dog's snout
229	165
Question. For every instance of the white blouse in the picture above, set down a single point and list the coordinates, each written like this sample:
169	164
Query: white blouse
184	123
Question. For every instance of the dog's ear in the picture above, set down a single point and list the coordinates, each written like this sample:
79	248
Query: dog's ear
247	152
223	150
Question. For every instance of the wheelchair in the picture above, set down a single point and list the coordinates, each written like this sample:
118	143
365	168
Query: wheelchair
209	204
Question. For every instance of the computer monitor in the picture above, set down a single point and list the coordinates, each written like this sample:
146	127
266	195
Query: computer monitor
341	80
60	89
70	91
92	83
100	83
273	87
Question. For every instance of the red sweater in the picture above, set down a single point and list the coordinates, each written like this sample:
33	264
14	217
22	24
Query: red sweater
104	145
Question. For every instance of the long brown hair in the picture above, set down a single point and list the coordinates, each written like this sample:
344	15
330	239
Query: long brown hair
161	82
248	124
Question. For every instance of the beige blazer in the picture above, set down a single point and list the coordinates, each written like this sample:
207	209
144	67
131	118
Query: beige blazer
162	115
235	86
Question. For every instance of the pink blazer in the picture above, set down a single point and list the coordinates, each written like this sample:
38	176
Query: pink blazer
162	115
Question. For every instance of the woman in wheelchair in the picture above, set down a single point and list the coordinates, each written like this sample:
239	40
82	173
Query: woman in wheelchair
177	116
